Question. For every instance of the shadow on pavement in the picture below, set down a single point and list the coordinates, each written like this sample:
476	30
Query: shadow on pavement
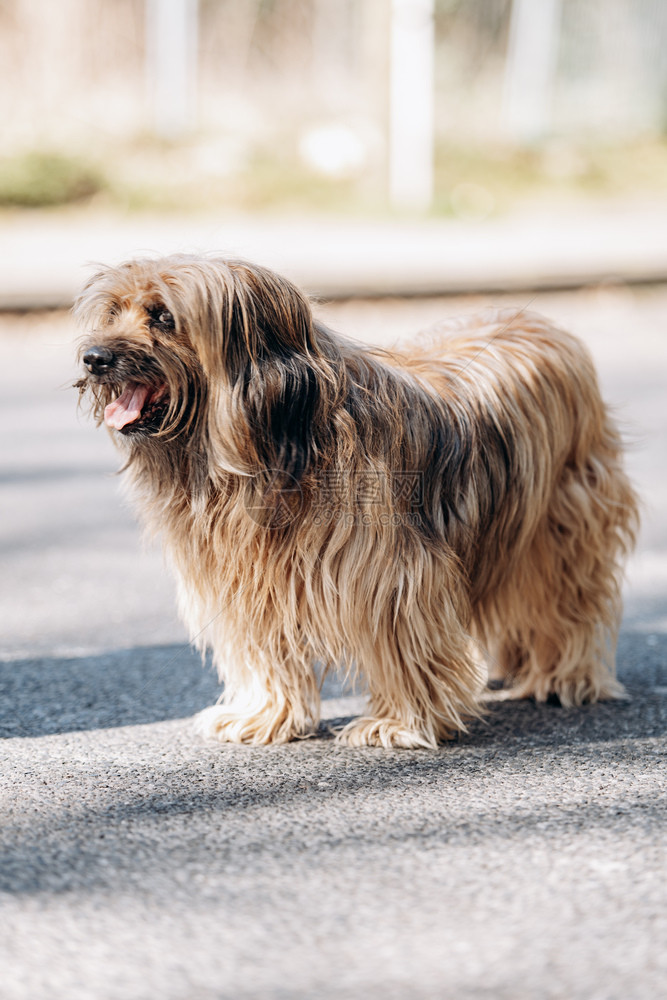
220	810
47	696
126	687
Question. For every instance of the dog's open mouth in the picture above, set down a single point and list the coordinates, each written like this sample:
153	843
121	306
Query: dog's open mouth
138	407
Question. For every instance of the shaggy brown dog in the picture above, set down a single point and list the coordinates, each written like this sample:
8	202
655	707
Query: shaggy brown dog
408	516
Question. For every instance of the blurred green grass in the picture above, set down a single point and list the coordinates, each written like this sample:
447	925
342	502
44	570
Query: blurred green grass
487	181
43	178
470	182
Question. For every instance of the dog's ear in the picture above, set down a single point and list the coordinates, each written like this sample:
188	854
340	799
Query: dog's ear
283	407
240	314
272	317
284	384
269	379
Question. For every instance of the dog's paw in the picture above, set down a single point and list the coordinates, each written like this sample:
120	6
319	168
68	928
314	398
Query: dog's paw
388	733
568	692
214	723
219	722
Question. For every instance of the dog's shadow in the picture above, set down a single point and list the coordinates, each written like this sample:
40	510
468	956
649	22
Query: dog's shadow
143	685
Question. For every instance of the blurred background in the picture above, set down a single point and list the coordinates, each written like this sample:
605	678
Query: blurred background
464	108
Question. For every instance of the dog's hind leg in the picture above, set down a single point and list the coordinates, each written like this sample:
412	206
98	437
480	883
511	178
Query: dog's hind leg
560	612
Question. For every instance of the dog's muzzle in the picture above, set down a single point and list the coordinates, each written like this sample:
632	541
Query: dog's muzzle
99	360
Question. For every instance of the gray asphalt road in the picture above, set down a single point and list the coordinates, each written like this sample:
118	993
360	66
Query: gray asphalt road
526	860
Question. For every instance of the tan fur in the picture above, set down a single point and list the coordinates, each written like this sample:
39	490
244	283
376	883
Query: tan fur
406	515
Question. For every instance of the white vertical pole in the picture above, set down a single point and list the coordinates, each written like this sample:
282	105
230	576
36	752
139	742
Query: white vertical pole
531	64
171	61
411	101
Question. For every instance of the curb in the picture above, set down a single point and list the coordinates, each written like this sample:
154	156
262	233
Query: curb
45	258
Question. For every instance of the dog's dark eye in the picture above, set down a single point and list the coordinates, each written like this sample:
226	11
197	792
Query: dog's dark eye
161	317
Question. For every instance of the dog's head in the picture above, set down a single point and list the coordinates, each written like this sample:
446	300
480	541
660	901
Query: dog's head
212	353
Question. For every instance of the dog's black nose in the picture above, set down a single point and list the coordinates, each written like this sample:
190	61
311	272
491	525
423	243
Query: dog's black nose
98	360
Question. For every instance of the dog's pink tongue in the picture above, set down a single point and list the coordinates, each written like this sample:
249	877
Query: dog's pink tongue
127	407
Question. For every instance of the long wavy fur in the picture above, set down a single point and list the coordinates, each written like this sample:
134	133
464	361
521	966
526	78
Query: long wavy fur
418	517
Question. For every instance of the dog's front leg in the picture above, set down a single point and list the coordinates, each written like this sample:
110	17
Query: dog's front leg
267	699
423	682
